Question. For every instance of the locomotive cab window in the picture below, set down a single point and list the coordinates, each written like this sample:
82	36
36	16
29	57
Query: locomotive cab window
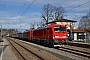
60	29
56	29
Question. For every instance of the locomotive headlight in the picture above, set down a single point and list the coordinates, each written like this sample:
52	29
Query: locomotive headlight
64	36
57	36
53	36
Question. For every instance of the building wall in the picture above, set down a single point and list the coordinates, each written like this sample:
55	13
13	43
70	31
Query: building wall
88	37
75	36
81	37
68	24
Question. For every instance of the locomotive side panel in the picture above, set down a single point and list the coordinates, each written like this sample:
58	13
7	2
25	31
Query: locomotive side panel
49	34
45	33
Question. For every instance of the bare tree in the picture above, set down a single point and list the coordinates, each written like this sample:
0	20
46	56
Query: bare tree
47	12
59	12
88	21
84	22
52	12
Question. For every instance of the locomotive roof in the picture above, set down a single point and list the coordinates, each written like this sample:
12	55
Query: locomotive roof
61	20
48	26
53	25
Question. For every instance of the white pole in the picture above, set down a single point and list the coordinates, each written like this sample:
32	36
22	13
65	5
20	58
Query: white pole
85	37
2	50
2	42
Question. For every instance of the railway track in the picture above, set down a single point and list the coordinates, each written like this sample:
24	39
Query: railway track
84	52
20	49
73	52
26	54
68	51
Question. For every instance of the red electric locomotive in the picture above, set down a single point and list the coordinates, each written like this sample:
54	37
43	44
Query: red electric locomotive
52	35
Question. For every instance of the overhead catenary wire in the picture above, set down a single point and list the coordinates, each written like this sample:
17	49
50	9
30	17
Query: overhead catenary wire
80	13
25	10
22	7
3	10
84	11
20	12
79	5
66	5
3	6
10	18
28	7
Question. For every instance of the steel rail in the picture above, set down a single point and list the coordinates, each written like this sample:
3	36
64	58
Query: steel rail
81	53
18	51
29	51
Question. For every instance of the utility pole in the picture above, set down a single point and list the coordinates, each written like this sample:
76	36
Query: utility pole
1	30
20	23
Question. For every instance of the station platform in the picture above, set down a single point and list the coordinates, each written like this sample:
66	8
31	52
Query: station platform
79	44
6	52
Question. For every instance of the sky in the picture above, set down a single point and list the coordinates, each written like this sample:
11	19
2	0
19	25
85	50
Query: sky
20	14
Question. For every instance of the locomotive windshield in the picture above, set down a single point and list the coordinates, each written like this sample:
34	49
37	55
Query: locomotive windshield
59	29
